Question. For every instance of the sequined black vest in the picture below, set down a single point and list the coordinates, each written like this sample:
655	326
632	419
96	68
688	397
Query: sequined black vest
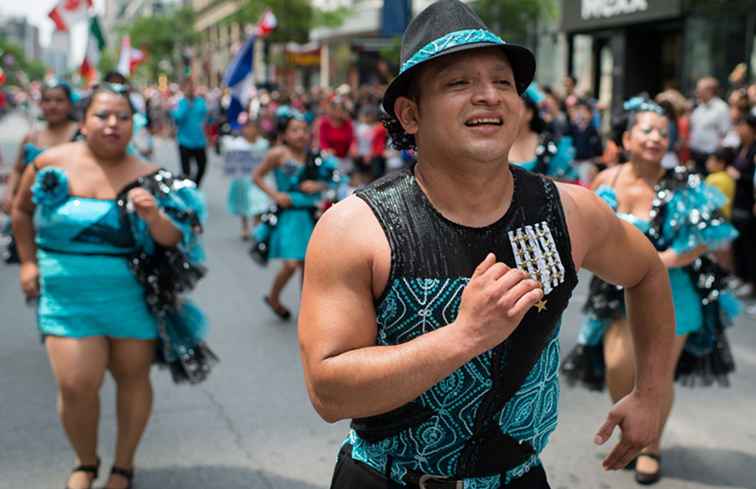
469	423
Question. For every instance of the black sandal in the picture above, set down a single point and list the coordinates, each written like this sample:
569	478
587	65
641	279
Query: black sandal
280	311
90	469
127	474
648	478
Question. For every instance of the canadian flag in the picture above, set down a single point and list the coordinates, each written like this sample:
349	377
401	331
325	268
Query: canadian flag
267	24
69	12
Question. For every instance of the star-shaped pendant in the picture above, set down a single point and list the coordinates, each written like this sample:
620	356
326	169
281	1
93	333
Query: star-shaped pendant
541	305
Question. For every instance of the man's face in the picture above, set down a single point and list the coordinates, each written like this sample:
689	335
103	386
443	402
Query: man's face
469	106
704	90
569	85
189	89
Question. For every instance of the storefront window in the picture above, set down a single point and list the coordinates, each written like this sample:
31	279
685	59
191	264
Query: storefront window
582	52
714	46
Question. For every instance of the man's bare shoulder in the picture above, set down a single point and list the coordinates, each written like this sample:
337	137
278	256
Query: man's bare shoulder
588	218
352	225
349	242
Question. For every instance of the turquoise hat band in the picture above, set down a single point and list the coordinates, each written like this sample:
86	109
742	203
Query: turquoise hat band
451	40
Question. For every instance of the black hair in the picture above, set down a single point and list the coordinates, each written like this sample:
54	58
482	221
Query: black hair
750	119
583	102
114	88
399	138
537	124
282	124
58	84
115	77
724	154
618	128
640	104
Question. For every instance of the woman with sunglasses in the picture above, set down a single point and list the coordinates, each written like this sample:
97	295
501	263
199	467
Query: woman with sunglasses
680	215
60	127
107	242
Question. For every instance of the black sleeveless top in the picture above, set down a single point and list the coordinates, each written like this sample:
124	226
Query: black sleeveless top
492	416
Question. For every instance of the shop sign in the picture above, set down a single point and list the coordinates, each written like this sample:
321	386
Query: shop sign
591	9
580	15
303	55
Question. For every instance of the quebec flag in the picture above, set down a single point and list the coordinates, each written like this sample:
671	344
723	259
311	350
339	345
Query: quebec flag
240	81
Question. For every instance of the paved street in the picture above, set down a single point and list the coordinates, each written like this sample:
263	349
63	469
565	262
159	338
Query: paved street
251	424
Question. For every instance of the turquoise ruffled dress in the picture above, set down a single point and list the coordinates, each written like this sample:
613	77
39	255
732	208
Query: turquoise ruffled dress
87	287
553	159
687	216
289	238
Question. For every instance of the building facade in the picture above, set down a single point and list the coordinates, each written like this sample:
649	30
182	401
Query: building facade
26	35
220	38
625	47
57	54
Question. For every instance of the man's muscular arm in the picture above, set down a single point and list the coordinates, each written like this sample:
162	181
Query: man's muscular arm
346	373
618	253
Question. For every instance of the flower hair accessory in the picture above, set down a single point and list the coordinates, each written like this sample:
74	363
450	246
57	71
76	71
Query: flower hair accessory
643	104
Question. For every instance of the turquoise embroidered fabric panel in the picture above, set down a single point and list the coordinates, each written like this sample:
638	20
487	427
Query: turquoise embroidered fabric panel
453	39
416	306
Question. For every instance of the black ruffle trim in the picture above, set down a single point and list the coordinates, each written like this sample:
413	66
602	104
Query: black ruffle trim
165	274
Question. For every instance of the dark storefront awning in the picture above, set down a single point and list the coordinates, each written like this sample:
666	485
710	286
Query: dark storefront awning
586	15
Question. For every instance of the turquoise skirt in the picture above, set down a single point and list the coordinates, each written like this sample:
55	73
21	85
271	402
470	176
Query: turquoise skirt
91	295
291	235
246	199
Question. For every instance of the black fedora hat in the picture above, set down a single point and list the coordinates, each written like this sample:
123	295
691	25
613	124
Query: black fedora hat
446	27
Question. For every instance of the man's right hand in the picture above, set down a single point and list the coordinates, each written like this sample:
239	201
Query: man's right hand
495	301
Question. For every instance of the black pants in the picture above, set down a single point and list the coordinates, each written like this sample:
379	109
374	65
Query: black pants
351	474
197	154
743	250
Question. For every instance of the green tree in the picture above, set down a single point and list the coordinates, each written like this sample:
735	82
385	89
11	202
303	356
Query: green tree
162	37
14	62
108	61
515	20
295	18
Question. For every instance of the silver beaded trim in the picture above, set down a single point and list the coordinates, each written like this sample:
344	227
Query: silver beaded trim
535	252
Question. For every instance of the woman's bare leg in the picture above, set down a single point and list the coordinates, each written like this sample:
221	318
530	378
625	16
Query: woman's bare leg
282	278
130	363
78	365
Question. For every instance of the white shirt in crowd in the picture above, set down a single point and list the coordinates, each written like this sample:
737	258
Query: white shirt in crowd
709	124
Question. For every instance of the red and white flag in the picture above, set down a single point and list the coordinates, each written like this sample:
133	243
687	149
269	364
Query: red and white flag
130	57
267	24
69	12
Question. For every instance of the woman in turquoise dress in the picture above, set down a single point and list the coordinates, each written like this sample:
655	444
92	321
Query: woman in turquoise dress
537	150
680	215
60	127
297	196
108	243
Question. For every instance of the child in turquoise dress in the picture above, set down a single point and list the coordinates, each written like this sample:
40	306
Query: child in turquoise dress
243	153
297	196
681	216
108	243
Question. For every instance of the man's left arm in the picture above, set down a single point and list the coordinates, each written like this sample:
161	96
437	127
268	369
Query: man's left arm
620	254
